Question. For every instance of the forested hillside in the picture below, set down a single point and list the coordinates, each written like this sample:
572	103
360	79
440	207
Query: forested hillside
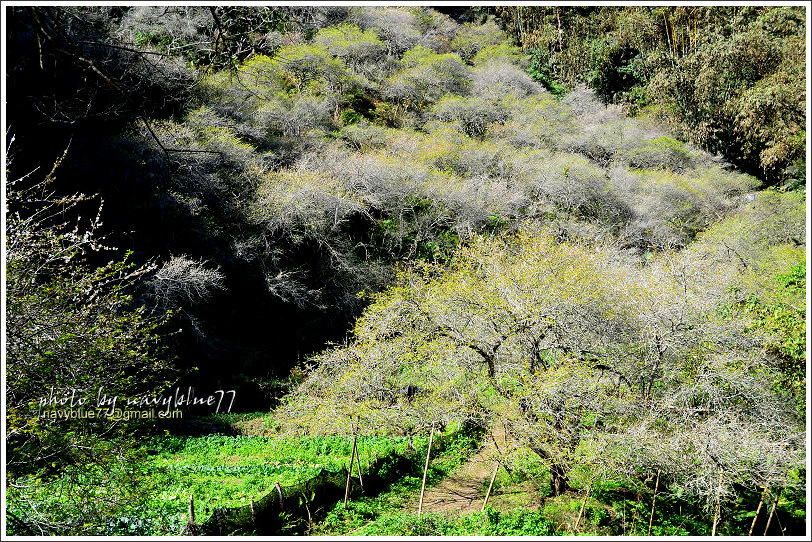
730	79
381	220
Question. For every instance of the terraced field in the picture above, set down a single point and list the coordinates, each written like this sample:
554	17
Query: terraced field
228	471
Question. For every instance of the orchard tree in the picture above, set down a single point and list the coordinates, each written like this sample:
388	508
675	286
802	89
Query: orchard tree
351	44
565	345
481	343
303	66
470	39
74	332
470	115
426	76
396	26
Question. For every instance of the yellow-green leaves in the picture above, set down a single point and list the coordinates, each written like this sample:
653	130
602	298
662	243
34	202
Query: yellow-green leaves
471	39
426	76
350	43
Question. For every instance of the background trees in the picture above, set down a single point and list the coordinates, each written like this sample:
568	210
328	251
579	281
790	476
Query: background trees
294	146
711	73
266	107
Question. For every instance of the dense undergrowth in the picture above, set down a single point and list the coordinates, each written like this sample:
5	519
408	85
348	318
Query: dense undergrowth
629	306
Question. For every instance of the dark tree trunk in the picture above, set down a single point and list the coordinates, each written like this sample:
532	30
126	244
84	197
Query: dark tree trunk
559	481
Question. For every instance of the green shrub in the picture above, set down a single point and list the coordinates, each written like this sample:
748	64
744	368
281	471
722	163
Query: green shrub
662	152
350	43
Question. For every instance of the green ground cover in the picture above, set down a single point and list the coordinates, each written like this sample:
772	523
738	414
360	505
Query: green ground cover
228	471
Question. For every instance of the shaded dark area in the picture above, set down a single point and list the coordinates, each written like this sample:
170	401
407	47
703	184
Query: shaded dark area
71	86
462	14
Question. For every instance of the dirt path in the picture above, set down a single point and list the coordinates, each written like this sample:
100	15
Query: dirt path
464	490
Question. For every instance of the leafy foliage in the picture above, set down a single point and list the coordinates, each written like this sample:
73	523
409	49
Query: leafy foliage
73	333
518	522
729	80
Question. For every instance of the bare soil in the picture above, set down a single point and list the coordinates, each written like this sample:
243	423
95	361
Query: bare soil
464	490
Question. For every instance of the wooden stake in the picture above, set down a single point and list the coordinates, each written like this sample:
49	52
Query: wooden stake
349	472
358	464
780	528
581	511
653	502
758	510
357	456
253	513
192	508
307	507
718	503
425	472
279	490
624	517
488	493
769	519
